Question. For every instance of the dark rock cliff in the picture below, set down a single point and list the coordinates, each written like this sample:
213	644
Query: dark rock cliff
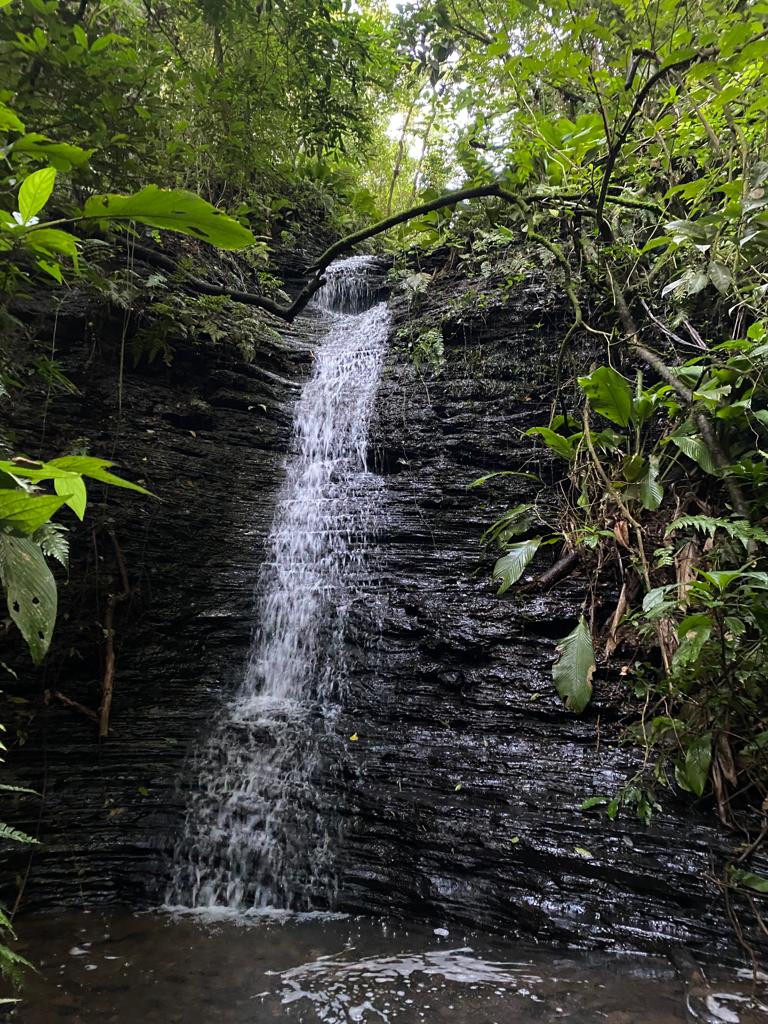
461	794
208	436
464	786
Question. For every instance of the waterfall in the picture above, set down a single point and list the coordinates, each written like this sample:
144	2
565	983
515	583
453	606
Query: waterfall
259	829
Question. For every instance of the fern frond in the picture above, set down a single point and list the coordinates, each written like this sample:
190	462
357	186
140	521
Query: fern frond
737	529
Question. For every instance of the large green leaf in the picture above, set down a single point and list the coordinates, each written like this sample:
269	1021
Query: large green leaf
61	155
691	773
28	512
35	192
30	590
96	469
72	489
553	440
51	240
609	394
574	670
511	567
696	449
650	487
175	210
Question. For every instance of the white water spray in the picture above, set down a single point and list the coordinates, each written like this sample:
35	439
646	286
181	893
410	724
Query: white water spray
260	830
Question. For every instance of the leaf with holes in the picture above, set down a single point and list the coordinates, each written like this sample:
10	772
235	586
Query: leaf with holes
27	512
511	567
30	590
174	210
573	671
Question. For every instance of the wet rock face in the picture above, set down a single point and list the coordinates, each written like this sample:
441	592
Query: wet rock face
461	795
463	789
208	436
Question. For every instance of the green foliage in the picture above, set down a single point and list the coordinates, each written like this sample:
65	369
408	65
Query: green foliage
575	667
609	394
27	536
511	566
173	210
704	598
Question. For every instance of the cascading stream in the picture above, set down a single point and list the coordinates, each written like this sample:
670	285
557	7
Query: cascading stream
259	829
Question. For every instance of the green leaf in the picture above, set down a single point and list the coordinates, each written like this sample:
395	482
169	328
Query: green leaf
95	468
51	240
5	788
749	880
723	578
693	632
696	449
27	512
30	591
174	210
553	440
52	269
511	567
72	489
594	801
573	672
720	276
650	487
691	774
35	192
609	394
482	480
61	155
9	121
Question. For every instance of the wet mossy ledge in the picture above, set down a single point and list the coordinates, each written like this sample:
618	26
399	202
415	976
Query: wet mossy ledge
461	795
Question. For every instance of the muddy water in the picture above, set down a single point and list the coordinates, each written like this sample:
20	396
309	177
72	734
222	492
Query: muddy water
116	967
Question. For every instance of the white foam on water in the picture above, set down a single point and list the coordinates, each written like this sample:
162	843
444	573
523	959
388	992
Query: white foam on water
338	989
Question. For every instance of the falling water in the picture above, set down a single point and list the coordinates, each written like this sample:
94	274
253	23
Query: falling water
260	829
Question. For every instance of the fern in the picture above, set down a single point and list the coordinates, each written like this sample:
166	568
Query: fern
6	832
52	539
737	529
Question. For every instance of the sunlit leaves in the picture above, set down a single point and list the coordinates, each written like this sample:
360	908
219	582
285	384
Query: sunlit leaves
175	210
35	192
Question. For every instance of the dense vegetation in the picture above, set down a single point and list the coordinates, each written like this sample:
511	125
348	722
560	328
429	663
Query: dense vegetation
627	139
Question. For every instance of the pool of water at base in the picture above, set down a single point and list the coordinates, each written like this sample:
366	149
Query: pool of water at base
118	967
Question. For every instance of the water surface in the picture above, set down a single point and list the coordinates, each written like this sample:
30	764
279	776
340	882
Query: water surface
117	967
